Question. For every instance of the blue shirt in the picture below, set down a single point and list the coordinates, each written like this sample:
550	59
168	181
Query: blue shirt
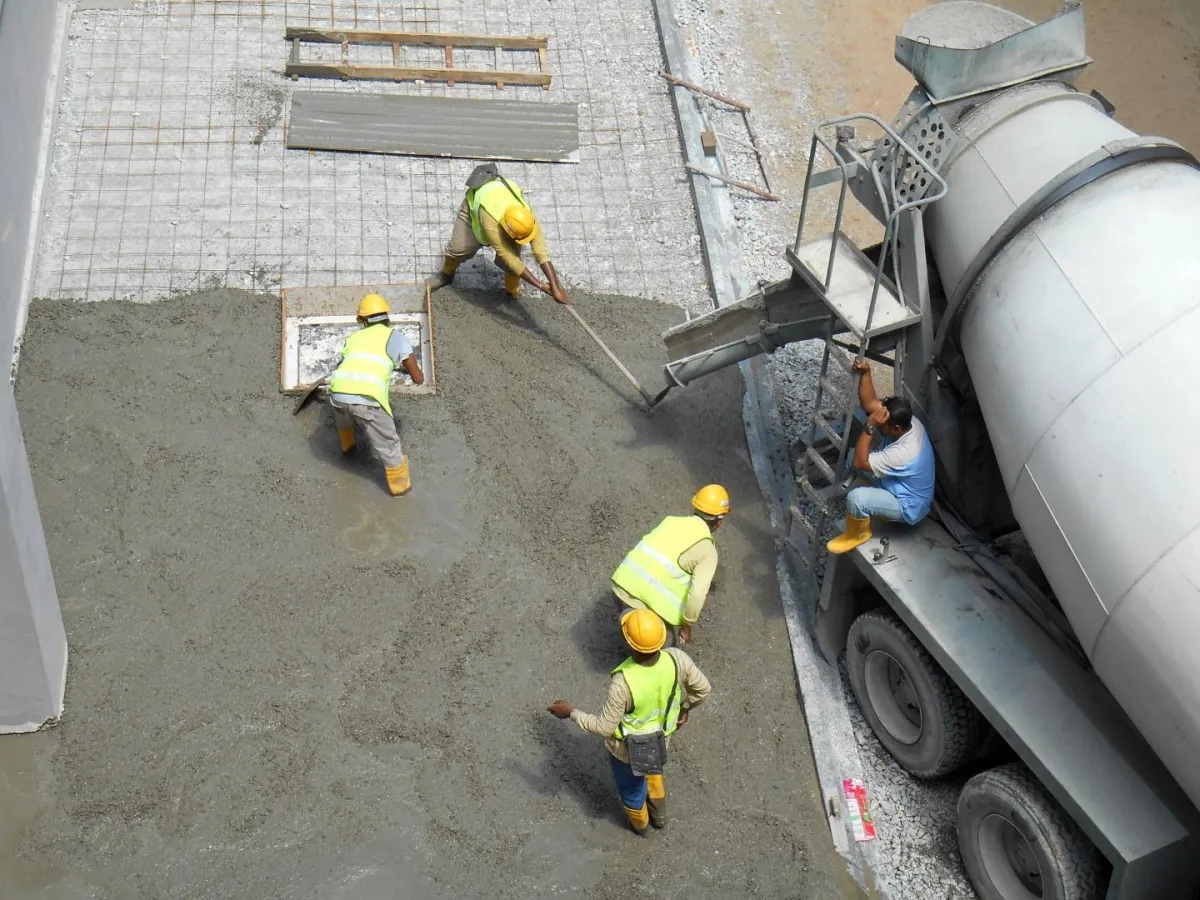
906	469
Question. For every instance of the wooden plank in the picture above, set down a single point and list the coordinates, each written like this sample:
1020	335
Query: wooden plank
398	73
499	64
450	63
509	42
727	100
542	66
395	53
766	195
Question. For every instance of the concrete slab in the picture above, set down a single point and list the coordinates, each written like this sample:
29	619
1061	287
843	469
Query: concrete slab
170	170
289	683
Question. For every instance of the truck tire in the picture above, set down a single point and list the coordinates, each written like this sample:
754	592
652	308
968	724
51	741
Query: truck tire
1017	843
915	710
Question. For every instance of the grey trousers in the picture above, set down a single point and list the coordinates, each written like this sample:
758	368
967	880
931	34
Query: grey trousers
379	426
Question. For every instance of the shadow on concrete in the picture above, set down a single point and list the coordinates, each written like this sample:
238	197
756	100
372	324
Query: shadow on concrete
597	634
572	762
515	313
324	445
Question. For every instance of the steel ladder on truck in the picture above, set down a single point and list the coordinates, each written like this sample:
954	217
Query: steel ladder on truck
863	302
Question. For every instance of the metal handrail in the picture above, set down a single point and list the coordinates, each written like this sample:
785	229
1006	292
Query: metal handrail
891	232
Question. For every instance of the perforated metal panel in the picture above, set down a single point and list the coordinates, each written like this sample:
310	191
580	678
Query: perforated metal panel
922	126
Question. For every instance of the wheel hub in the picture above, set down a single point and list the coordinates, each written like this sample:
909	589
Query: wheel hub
1009	859
893	697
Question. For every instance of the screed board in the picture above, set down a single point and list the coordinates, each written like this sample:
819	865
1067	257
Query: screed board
434	126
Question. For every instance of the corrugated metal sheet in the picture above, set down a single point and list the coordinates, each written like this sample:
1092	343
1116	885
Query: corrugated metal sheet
434	126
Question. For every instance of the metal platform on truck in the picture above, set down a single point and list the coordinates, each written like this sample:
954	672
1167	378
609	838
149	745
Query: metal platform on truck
1049	708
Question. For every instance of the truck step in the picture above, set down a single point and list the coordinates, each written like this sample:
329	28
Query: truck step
797	518
820	422
834	393
815	459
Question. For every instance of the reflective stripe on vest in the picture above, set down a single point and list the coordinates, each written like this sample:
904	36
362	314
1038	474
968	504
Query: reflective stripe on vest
495	197
651	571
650	687
366	369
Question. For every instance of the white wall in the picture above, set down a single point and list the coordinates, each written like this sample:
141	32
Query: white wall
33	646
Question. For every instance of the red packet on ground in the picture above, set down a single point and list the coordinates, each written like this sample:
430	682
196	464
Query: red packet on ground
860	812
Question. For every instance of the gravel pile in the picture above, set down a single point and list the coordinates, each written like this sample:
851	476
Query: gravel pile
963	24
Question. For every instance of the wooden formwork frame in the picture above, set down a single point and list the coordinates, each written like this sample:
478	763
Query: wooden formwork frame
429	364
397	72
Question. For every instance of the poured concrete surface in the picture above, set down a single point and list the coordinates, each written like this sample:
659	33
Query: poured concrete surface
285	683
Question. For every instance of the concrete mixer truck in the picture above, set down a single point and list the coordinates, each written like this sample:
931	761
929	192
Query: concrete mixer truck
1036	294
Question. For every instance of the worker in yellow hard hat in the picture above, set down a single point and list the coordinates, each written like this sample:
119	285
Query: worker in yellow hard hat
671	569
360	388
496	214
649	696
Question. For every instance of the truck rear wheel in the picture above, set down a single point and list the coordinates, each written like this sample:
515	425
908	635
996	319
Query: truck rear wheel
913	707
1017	843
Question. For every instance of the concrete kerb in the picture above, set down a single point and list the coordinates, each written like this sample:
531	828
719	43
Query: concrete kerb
835	751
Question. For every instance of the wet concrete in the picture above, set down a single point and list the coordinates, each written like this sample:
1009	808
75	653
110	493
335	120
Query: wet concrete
285	683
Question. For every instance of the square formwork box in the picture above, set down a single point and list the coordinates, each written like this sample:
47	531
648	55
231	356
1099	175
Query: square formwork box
315	322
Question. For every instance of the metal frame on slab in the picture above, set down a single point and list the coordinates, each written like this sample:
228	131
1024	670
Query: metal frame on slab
345	70
299	307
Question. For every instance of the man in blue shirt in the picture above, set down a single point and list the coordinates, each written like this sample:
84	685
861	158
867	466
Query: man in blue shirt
901	472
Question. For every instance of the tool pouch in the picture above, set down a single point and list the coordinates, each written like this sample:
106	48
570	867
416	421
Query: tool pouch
482	175
647	752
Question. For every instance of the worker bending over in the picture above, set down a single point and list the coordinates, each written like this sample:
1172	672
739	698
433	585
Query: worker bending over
902	471
649	696
360	388
671	569
495	213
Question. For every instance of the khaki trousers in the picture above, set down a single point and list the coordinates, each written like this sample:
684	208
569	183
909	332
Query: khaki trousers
462	244
379	426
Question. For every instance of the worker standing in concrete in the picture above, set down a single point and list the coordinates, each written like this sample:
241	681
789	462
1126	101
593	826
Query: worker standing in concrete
649	696
496	214
360	388
902	471
671	569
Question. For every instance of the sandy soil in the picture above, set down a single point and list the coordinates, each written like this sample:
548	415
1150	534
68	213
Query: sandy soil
285	683
1147	62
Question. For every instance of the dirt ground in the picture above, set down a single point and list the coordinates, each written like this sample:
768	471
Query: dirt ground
835	57
285	683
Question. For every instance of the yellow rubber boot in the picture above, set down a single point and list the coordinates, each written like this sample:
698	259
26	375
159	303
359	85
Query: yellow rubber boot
639	819
512	284
346	436
858	531
656	800
398	480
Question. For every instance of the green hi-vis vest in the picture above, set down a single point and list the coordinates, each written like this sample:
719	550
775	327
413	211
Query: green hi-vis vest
495	197
366	369
651	688
651	570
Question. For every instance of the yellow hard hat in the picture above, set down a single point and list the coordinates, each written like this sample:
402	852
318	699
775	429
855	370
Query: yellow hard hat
644	631
520	223
372	305
712	500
